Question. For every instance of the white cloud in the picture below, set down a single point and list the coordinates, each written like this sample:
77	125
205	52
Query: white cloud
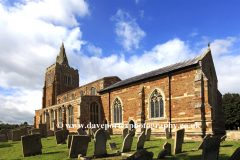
141	13
193	33
128	32
96	51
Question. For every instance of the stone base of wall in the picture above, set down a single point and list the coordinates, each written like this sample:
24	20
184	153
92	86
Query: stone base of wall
233	135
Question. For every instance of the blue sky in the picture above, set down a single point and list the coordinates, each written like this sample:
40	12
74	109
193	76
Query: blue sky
109	38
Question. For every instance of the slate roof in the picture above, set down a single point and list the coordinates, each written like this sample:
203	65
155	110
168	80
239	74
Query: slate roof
153	73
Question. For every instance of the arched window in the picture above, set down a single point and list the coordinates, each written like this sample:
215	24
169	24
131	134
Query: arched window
69	80
59	101
94	113
117	109
60	116
81	93
156	102
52	118
65	79
92	91
70	115
65	99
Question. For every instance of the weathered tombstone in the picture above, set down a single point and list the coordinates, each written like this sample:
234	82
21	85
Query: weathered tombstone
179	134
16	135
35	131
112	146
50	133
211	148
162	154
3	138
60	137
141	141
167	133
201	145
223	138
69	141
79	145
148	134
94	130
31	145
124	132
167	146
9	135
43	130
236	154
141	154
127	143
100	143
24	131
132	132
5	131
81	131
107	135
66	132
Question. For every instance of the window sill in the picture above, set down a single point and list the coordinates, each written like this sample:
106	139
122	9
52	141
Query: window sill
157	119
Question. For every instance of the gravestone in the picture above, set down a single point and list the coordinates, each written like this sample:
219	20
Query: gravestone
31	145
3	138
141	141
107	135
69	141
127	143
50	133
167	133
81	131
24	131
66	132
35	131
43	130
112	146
9	135
60	137
148	134
223	138
79	145
162	154
132	132
201	145
94	130
211	148
124	132
168	147
100	143
236	154
16	135
141	154
5	131
179	135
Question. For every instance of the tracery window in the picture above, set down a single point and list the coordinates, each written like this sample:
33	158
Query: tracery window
92	91
67	79
94	113
157	108
117	109
70	115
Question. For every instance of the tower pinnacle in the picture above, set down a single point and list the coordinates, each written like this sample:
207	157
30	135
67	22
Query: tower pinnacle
62	57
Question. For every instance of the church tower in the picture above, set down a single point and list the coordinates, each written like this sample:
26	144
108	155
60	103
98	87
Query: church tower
59	78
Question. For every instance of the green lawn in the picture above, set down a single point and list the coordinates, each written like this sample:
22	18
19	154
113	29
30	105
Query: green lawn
13	150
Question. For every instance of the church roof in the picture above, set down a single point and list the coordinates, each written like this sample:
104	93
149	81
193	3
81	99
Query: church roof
153	73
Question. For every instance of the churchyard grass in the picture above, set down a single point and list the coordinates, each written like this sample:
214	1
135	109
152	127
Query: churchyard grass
13	150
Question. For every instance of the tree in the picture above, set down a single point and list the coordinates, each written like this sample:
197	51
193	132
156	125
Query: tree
231	108
25	123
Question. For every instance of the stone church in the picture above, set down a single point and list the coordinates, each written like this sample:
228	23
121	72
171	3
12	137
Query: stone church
184	94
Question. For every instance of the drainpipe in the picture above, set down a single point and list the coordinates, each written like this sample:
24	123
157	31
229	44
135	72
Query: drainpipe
170	118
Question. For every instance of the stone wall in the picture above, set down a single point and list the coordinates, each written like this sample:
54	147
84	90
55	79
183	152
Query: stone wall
233	135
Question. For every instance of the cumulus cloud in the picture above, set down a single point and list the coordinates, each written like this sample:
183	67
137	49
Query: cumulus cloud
128	32
96	51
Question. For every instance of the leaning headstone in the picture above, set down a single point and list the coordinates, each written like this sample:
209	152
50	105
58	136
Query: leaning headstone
223	138
50	133
179	134
127	143
132	132
201	145
162	154
112	146
79	145
167	146
148	134
236	154
9	135
5	131
3	138
141	141
43	130
31	145
141	154
167	133
81	131
69	141
211	148
107	135
124	132
100	143
16	135
66	132
60	137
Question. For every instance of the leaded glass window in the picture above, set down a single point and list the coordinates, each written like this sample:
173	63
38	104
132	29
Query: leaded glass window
92	91
157	108
94	113
70	115
117	109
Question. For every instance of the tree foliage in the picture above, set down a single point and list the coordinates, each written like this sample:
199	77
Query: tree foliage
231	108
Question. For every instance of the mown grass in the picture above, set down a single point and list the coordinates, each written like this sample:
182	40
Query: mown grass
13	150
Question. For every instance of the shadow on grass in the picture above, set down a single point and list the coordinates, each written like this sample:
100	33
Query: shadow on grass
188	142
151	147
54	152
5	145
226	146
